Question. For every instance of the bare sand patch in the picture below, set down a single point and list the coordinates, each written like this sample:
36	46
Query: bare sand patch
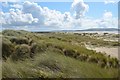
112	51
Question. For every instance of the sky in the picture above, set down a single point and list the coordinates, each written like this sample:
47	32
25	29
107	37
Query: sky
71	15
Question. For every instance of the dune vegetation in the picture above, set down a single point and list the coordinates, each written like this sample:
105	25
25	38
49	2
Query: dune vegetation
55	55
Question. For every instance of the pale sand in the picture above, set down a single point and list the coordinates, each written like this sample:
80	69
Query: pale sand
112	51
112	40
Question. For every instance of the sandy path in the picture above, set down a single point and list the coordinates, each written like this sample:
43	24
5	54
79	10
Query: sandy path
112	51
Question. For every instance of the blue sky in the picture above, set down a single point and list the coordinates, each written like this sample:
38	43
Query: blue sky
95	8
99	14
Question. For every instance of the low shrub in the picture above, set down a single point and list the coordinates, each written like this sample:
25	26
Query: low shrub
7	49
76	55
34	48
49	45
82	57
59	47
92	59
113	62
116	44
101	64
21	52
19	40
69	52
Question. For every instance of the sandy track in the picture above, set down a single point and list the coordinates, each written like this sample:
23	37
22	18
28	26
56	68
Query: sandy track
112	51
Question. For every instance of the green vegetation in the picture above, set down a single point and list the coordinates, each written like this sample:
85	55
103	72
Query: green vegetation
54	54
52	65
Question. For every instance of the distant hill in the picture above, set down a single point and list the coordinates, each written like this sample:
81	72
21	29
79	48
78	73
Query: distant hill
100	29
91	29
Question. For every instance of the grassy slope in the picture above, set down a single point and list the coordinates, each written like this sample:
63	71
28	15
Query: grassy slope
51	63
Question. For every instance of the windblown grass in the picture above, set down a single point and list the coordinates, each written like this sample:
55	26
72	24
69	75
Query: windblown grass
54	55
52	65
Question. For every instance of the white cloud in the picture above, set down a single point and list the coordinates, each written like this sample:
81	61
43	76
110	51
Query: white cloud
80	8
16	18
110	1
108	20
34	9
55	18
18	6
89	23
47	17
107	15
33	16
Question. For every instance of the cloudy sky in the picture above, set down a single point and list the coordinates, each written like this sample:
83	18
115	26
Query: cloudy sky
77	14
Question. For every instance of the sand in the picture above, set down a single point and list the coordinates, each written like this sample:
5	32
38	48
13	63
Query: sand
112	51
